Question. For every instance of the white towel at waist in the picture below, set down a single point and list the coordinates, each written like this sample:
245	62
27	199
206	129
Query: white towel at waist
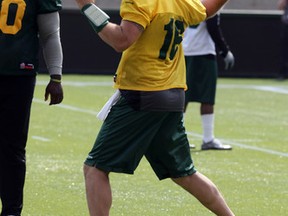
107	107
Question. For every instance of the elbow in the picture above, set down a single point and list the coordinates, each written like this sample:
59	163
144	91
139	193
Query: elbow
121	47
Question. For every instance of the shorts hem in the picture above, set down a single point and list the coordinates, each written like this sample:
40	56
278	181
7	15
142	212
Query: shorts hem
190	172
109	169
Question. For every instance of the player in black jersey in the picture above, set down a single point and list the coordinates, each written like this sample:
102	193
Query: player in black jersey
22	24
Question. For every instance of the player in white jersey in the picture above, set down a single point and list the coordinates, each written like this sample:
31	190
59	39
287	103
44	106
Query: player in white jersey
200	44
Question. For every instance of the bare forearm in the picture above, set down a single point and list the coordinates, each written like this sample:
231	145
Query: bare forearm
120	37
114	36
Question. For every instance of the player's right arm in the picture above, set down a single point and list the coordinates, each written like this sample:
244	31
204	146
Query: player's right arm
122	36
119	37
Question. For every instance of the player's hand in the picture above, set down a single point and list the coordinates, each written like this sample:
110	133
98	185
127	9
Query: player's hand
55	91
229	60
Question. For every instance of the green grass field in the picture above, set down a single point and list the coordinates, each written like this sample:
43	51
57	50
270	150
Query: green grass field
251	115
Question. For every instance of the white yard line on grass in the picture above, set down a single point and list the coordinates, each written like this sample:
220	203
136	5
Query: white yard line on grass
281	90
43	139
68	107
79	84
241	145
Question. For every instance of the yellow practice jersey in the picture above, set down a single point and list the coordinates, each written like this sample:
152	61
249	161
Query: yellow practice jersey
156	60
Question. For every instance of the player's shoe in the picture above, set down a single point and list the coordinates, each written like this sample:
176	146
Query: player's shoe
192	146
215	144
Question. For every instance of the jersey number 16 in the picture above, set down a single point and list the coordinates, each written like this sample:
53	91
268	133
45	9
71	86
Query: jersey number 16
173	38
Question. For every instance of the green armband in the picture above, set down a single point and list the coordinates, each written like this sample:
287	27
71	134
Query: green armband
98	18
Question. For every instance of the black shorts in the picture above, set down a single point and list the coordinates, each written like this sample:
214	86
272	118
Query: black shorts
201	76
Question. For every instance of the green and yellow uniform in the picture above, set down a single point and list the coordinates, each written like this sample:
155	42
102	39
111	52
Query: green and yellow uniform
147	119
156	60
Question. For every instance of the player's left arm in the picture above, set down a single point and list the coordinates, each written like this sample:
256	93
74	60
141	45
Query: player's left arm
49	33
215	31
119	37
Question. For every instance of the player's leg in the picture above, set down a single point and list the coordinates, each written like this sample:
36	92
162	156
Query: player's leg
207	119
207	93
119	147
206	192
206	81
190	79
98	191
189	61
170	157
14	114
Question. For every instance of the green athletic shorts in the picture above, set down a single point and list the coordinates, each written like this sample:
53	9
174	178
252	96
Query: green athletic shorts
127	135
201	76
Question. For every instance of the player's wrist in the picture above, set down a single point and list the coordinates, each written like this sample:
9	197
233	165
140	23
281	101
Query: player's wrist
98	18
55	78
223	53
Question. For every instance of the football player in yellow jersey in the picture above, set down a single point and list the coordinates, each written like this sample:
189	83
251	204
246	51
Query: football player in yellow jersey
144	116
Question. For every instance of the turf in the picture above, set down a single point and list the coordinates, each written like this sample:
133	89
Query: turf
251	115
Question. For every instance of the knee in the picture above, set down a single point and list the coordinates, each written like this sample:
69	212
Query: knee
85	170
183	181
92	172
88	171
